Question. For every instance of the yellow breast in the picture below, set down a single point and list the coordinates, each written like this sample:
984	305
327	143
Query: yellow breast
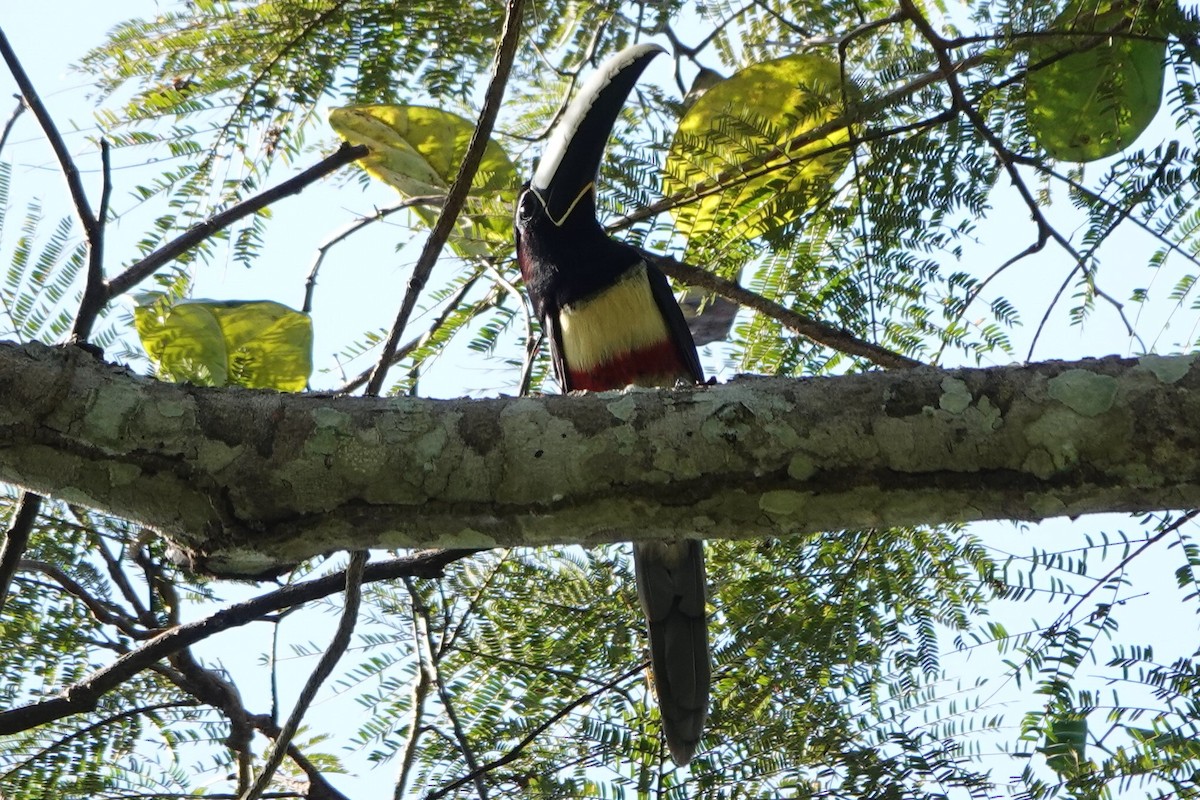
618	321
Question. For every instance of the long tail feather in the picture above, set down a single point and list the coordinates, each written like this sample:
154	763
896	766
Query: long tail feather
670	582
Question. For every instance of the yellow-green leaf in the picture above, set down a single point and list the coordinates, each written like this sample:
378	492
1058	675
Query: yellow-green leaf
258	344
1088	100
747	125
417	151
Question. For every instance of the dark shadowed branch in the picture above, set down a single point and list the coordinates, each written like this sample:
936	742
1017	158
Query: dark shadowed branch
457	195
820	332
82	696
16	539
146	267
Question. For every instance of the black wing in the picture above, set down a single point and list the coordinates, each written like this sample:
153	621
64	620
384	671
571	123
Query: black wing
677	325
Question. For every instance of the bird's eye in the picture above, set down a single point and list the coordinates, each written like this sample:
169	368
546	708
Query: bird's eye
526	206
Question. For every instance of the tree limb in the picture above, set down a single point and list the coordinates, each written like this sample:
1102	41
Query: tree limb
251	482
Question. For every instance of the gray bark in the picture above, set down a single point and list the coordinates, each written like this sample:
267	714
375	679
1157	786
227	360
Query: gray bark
249	482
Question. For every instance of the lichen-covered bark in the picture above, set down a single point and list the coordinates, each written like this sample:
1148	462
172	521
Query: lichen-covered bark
247	482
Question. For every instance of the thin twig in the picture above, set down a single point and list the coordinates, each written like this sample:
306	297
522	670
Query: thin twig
421	623
196	234
1008	159
520	746
1124	563
16	540
452	304
1036	247
420	696
310	284
760	164
337	648
116	572
457	195
103	611
12	120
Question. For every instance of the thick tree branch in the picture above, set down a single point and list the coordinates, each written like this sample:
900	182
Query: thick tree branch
250	482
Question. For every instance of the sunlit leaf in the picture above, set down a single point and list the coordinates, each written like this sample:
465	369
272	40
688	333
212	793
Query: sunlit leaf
257	344
746	126
1088	100
418	150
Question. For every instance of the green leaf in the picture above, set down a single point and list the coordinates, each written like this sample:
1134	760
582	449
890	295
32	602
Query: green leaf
725	135
1087	104
1065	745
257	344
1168	741
417	151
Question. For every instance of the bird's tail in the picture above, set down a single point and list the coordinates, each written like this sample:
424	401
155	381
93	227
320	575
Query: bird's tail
670	582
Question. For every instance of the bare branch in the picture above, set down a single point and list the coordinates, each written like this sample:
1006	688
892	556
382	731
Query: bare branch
333	653
12	120
505	51
422	683
1035	247
451	305
83	696
146	267
351	228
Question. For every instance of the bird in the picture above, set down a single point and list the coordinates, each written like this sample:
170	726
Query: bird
612	321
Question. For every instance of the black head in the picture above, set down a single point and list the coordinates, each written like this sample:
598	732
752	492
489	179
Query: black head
563	251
